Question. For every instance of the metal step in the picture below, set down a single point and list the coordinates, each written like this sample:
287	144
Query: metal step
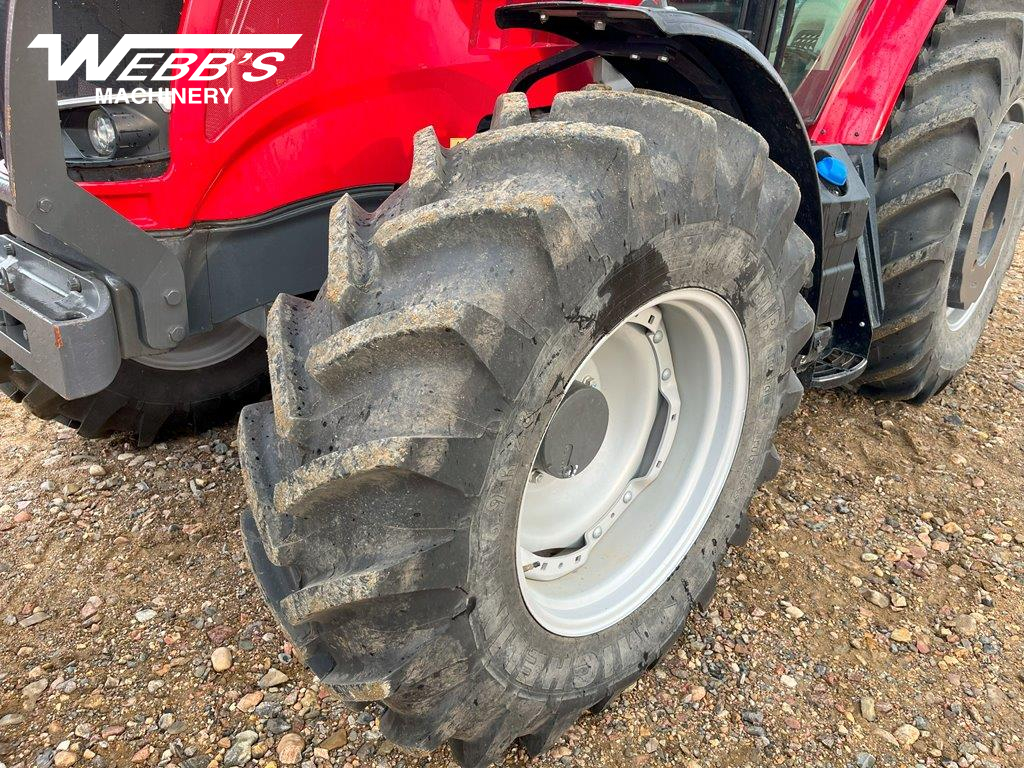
837	368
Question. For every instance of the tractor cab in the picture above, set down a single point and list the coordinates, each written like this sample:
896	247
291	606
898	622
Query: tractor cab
806	40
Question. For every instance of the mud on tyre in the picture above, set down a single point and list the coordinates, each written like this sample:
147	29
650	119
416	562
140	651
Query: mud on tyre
411	397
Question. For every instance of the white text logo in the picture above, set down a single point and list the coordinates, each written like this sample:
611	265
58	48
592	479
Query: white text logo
146	58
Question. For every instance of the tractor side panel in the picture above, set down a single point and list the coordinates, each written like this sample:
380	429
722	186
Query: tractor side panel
364	78
864	96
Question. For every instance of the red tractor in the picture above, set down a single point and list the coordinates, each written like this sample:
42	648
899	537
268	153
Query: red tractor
537	282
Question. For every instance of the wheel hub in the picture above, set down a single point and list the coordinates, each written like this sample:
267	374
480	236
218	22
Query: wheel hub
654	436
659	404
575	433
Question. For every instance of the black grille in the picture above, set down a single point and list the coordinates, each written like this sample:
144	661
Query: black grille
110	19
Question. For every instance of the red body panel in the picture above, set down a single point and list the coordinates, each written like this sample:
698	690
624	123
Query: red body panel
382	71
378	72
869	84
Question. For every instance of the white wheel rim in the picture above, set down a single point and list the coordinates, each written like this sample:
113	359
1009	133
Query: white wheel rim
594	547
205	349
958	318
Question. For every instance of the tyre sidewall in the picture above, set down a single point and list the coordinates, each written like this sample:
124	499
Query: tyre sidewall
517	650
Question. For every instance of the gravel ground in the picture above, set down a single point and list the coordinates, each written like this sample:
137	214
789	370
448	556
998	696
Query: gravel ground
873	619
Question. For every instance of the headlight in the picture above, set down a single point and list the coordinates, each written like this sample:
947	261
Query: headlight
113	134
102	133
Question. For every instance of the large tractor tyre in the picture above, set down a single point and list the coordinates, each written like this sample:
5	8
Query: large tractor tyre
554	326
951	174
200	384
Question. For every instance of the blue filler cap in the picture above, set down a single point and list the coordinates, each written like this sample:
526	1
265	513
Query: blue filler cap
833	171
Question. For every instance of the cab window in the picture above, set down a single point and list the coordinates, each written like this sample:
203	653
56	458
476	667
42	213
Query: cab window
806	40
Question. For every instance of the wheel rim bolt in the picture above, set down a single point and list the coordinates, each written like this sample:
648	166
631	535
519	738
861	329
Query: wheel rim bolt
628	497
658	336
666	375
598	532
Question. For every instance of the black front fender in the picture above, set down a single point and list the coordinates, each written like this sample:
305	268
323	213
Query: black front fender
685	54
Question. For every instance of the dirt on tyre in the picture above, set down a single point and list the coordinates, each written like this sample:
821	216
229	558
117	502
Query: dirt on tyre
629	253
950	183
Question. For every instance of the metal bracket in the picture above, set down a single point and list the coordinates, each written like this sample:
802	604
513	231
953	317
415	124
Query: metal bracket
56	321
37	187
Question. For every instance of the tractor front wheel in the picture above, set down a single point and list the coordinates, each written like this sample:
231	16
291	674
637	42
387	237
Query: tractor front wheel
513	436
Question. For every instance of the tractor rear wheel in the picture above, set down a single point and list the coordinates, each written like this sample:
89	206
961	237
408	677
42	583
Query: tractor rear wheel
950	184
513	436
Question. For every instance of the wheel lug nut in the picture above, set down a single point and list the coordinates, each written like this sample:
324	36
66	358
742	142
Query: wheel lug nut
666	375
658	336
598	532
628	497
